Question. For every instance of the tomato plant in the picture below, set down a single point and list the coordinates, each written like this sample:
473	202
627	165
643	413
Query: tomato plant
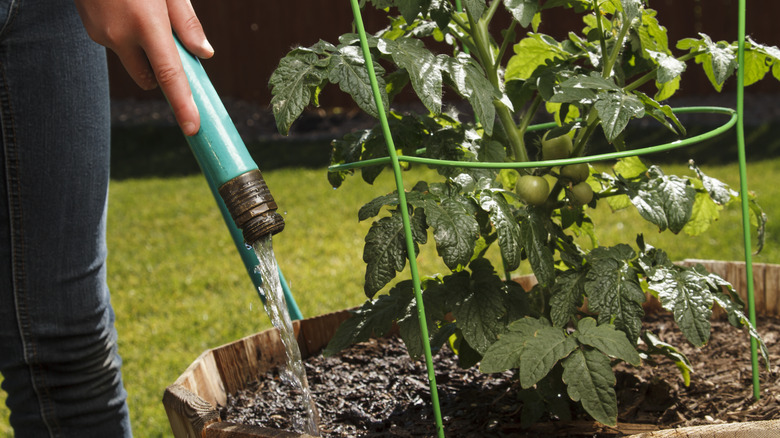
590	84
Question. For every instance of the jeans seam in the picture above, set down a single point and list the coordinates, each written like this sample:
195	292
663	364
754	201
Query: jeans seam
13	7
18	249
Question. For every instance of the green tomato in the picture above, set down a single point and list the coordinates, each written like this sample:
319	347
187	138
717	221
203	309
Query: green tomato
581	193
575	172
556	148
532	189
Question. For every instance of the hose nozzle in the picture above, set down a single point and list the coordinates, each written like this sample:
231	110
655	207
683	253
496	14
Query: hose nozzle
251	205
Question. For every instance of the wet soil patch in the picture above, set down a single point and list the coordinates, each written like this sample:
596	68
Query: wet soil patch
374	389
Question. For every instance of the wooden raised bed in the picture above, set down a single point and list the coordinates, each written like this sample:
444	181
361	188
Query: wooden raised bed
191	402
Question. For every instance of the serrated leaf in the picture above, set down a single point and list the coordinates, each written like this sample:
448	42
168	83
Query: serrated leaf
613	289
666	90
475	7
593	81
566	296
507	228
589	379
347	68
682	292
606	339
470	82
384	252
666	201
631	8
373	207
535	237
657	347
409	9
522	10
662	113
423	67
455	231
719	191
705	212
630	167
531	53
480	309
542	351
293	86
616	109
504	354
374	318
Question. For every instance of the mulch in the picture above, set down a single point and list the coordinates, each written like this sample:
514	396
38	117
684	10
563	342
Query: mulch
374	389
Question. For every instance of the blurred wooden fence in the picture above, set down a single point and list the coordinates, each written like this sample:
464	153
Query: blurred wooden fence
250	36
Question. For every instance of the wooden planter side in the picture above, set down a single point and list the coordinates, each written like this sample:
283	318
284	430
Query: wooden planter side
191	401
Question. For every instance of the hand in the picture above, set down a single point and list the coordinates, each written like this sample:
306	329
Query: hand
139	32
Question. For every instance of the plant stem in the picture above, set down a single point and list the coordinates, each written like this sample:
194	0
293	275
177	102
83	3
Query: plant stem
602	41
624	28
482	42
649	76
508	36
516	142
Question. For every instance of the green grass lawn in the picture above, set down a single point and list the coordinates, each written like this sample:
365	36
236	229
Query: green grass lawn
179	287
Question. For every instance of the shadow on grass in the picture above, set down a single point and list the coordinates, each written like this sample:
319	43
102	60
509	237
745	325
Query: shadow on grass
161	151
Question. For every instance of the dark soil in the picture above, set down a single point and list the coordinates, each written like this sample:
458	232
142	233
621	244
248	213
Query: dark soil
374	389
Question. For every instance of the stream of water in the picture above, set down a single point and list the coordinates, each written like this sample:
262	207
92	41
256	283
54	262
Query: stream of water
275	305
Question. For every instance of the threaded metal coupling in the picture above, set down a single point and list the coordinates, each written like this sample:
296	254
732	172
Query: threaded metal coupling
251	205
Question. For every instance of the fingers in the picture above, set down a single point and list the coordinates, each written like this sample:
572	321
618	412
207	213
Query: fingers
164	60
188	28
139	31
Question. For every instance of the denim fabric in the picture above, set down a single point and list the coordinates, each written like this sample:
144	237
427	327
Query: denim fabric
58	350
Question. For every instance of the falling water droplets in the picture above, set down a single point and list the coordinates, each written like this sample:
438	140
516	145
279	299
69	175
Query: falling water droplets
294	373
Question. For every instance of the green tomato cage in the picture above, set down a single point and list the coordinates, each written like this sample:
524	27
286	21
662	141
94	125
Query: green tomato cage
223	158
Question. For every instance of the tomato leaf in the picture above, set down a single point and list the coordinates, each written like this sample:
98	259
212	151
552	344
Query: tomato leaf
616	109
348	69
422	65
470	82
566	296
684	293
507	228
475	7
385	252
373	318
535	241
606	339
531	53
480	307
294	84
522	10
666	201
542	351
455	230
589	379
613	289
504	354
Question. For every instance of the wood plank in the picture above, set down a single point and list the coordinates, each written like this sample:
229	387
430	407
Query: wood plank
317	332
233	430
771	287
187	413
754	429
232	365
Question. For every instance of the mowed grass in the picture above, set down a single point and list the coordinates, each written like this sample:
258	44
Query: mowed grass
179	287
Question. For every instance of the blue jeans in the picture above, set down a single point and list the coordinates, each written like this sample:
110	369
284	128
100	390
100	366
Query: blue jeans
58	345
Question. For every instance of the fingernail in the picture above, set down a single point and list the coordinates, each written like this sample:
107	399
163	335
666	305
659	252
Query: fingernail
207	46
189	129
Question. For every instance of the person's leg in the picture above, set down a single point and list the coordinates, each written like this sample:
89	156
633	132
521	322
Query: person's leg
57	339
